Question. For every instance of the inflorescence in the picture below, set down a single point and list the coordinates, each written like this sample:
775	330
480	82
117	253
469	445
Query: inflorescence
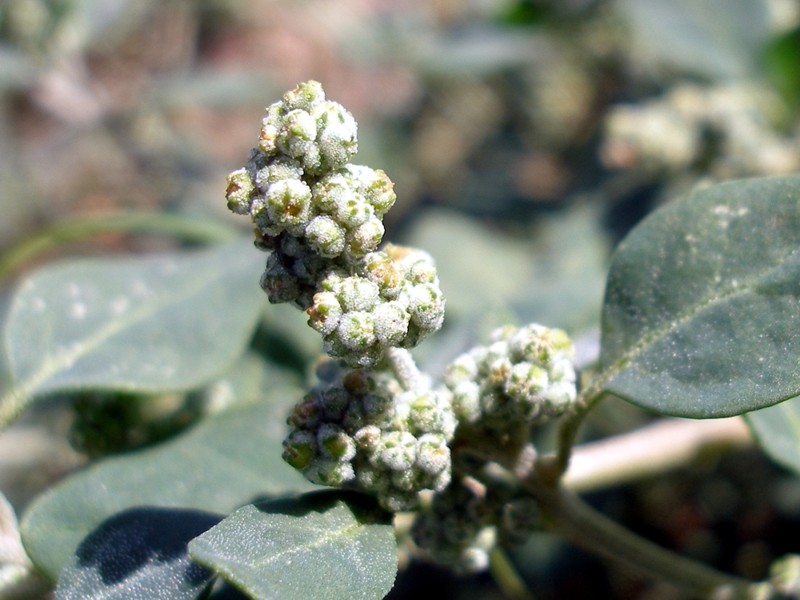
368	423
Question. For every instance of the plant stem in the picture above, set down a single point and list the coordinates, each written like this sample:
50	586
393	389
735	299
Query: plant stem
570	517
184	227
406	370
663	445
508	580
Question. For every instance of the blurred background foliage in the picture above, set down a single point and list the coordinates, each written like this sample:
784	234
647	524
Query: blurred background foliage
525	137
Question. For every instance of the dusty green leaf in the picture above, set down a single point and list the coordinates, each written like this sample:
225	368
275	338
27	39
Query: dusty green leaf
326	546
139	553
777	430
168	322
223	463
718	39
703	300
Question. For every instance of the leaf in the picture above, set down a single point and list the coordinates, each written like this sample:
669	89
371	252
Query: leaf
168	322
702	303
139	553
717	39
223	463
326	546
777	430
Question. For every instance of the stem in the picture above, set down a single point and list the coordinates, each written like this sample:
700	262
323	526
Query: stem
570	517
508	580
406	370
185	227
661	446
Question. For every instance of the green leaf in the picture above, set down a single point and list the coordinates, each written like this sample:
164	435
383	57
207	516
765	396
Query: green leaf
717	39
168	322
223	463
777	430
702	303
139	553
326	546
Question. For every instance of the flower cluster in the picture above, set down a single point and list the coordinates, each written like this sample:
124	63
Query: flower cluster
372	422
462	524
320	218
393	300
360	429
524	374
726	129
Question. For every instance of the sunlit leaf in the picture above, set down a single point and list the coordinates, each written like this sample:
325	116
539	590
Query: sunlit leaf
223	463
703	302
326	546
777	430
168	322
718	39
139	553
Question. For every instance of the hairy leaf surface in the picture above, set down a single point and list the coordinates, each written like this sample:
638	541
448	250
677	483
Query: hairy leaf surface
327	546
139	553
225	462
702	303
168	322
777	430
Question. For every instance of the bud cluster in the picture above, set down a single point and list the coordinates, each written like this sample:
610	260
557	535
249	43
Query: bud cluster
360	429
466	521
524	374
320	217
393	300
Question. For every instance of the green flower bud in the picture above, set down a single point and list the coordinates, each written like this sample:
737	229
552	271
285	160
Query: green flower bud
289	204
240	192
356	330
337	135
278	170
334	443
305	96
299	449
358	294
325	312
391	323
433	454
380	268
325	236
365	238
426	305
467	401
398	450
329	472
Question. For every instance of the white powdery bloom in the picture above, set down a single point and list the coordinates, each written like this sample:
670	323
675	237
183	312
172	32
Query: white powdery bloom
398	450
391	323
358	293
325	236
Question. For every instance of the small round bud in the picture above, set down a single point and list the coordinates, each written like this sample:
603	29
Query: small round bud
433	454
391	323
467	401
240	192
305	96
329	472
365	238
289	204
334	443
337	134
277	170
426	305
356	330
299	449
358	293
325	236
398	450
381	269
325	312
